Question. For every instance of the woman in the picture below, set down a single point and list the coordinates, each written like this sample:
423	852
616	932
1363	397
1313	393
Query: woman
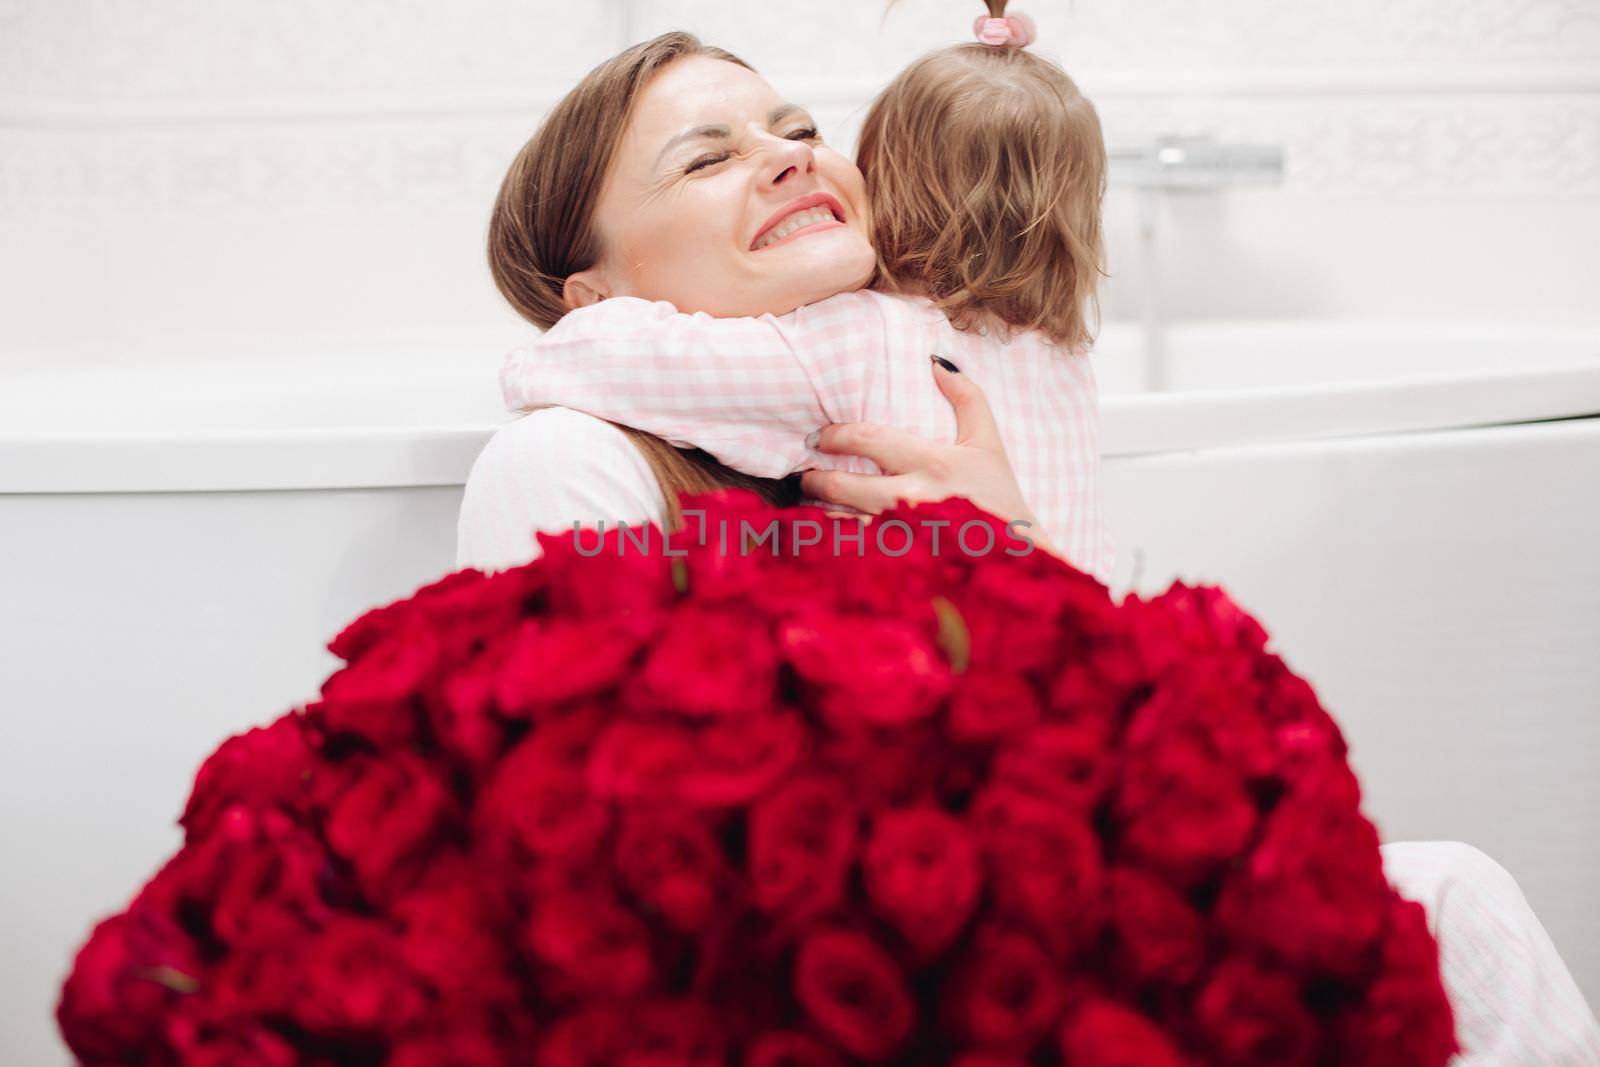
581	218
585	214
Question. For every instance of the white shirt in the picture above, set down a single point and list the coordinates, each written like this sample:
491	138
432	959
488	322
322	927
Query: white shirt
545	471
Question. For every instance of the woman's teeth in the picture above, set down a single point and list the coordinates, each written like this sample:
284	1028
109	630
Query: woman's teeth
798	220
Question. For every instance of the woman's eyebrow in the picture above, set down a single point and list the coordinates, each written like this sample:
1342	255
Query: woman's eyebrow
781	112
775	116
690	135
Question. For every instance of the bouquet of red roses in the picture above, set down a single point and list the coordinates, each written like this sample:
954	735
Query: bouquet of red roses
772	800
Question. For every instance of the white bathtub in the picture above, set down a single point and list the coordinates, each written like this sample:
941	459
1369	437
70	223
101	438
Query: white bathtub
177	542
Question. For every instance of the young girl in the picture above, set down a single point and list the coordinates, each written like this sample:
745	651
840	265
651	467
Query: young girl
985	169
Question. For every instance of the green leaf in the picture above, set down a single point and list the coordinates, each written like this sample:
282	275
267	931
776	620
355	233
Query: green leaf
172	978
953	635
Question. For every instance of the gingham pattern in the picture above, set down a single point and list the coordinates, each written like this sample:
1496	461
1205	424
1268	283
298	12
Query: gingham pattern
1514	1000
749	390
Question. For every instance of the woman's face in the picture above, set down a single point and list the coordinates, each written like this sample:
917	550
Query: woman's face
722	198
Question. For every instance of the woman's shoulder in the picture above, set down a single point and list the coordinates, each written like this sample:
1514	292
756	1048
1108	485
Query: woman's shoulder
547	470
557	433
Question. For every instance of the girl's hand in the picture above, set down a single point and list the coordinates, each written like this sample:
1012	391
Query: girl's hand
919	471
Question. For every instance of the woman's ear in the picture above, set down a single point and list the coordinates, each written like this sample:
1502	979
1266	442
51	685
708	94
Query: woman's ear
584	288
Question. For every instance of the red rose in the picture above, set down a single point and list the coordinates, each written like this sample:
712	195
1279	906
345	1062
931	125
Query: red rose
375	697
867	669
786	1048
710	661
1066	763
266	766
1306	734
587	944
465	607
740	759
987	1059
203	1035
1014	617
461	711
459	1047
275	885
135	969
1158	936
659	1033
537	802
1214	705
923	874
725	763
888	767
258	877
470	605
1192	619
874	583
1045	866
673	865
593	575
451	937
351	982
552	661
1253	1016
1404	1020
1103	1033
854	993
1007	994
802	845
1080	695
989	705
1313	892
937	540
1183	813
382	816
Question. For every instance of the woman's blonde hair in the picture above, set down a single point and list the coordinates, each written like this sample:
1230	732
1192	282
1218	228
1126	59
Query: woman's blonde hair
543	231
986	170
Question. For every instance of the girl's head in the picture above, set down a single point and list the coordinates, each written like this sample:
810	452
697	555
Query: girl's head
985	168
658	175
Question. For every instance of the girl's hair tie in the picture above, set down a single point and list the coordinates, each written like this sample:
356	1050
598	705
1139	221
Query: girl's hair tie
1014	31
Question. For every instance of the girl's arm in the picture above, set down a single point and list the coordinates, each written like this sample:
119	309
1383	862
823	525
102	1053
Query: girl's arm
747	390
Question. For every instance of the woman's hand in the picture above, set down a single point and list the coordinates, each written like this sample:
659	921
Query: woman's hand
918	470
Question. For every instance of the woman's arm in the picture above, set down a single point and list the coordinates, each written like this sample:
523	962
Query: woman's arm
747	390
545	471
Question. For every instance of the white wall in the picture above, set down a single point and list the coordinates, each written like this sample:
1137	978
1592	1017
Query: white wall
176	172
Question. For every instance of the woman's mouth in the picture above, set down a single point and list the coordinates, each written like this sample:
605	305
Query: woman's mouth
810	214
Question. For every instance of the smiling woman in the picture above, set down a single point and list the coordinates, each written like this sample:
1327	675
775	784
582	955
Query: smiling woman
679	218
613	197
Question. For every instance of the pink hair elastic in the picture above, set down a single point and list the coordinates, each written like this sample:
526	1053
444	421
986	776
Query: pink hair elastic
1014	31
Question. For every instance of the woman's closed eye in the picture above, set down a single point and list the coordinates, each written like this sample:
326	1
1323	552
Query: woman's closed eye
807	133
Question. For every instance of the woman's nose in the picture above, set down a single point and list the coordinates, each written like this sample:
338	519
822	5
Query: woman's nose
787	158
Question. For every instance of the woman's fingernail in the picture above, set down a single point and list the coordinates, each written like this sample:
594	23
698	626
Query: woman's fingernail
813	439
946	364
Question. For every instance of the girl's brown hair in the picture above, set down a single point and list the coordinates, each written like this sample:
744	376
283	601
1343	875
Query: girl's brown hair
543	231
986	169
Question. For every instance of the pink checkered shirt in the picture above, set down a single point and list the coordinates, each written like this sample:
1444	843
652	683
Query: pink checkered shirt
749	390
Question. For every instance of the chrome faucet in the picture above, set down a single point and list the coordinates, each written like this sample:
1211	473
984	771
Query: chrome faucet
1177	164
1195	163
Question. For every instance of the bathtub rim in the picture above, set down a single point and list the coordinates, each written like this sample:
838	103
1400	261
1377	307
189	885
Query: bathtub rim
375	457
